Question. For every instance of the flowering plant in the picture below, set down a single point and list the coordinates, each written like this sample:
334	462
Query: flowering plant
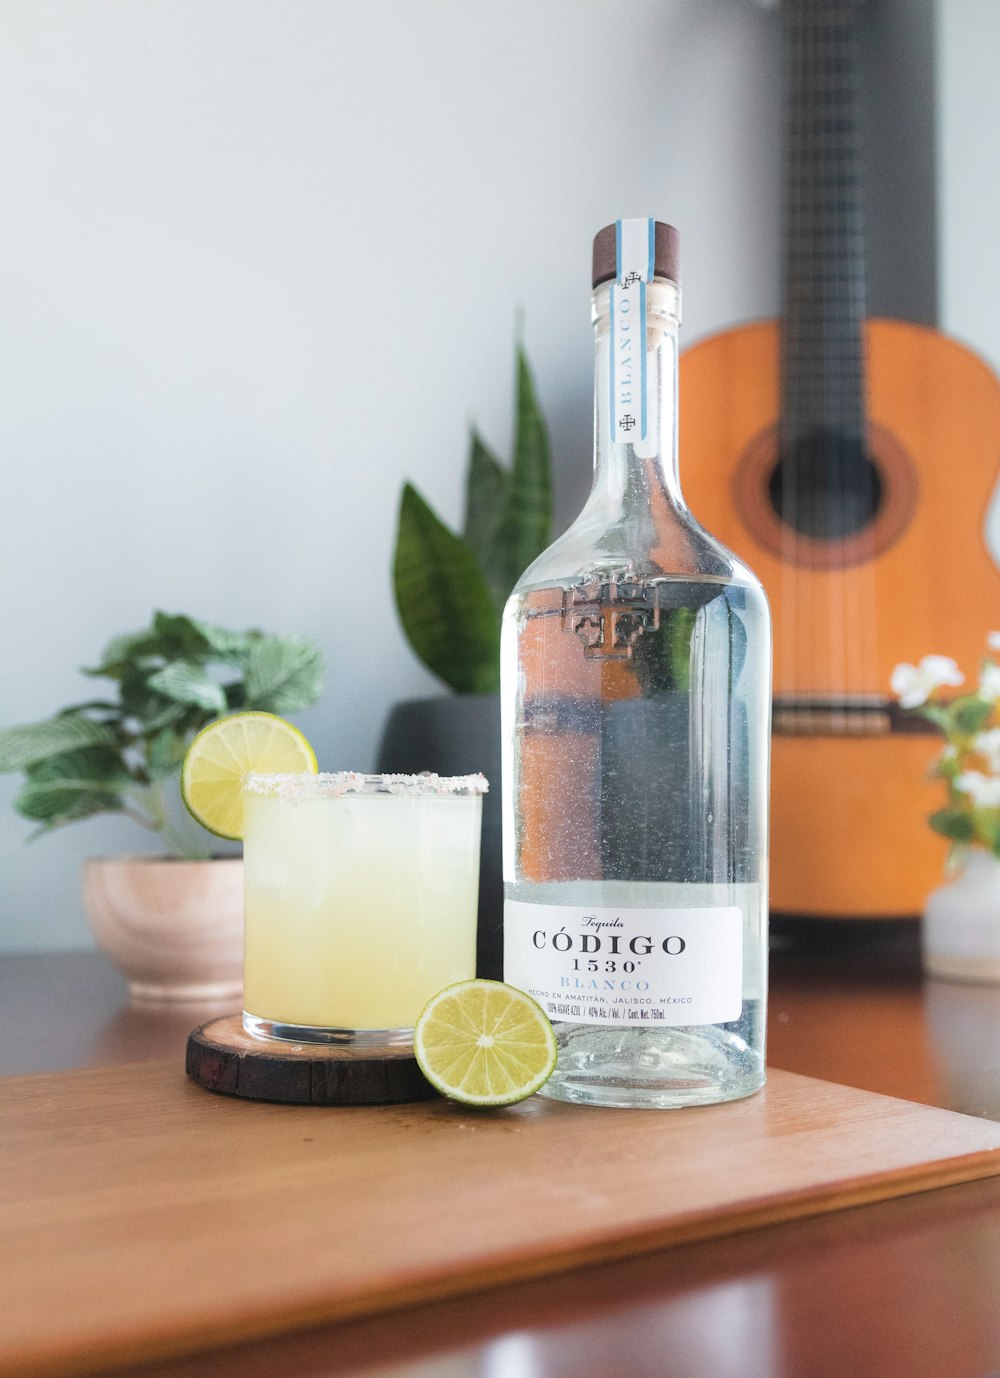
970	759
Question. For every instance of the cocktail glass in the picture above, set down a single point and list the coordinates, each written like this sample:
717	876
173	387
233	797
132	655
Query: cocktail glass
361	900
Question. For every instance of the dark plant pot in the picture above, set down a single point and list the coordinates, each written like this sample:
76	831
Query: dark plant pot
459	735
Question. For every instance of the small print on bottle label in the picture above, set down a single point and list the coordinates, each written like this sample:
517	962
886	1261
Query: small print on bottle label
634	967
635	257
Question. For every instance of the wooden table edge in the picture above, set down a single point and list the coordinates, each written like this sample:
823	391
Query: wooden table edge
83	1357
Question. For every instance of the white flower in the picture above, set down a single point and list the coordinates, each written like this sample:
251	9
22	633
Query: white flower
989	683
989	744
993	641
914	684
984	792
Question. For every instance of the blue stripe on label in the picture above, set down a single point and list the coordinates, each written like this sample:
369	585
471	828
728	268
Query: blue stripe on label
612	414
618	248
642	359
650	270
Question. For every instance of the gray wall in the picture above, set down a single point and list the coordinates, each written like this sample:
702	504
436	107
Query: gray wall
261	259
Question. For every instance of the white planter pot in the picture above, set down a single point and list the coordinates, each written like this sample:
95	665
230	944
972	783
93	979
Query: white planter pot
173	928
961	928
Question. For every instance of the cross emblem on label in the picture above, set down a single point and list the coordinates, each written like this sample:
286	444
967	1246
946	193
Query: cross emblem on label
627	421
609	616
629	278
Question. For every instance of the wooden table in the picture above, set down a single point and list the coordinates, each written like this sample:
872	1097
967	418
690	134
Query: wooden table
908	1287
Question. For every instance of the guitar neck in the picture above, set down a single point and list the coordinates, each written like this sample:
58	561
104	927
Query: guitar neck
824	253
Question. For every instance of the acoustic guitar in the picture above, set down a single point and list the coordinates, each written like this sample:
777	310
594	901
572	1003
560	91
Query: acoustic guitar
851	463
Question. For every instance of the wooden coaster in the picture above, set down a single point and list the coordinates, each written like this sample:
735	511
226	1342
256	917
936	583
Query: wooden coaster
222	1056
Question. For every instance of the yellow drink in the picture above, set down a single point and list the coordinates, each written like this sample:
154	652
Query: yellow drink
360	904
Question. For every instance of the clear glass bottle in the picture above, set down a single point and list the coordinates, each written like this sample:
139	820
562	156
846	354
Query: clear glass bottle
636	709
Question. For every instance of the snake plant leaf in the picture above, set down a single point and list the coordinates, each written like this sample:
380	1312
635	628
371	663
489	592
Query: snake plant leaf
525	521
283	674
21	747
485	493
443	600
187	683
73	784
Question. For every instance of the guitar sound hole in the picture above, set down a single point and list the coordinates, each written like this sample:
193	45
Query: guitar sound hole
826	487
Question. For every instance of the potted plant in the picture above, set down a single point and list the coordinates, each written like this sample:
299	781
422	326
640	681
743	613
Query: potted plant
174	923
961	923
450	590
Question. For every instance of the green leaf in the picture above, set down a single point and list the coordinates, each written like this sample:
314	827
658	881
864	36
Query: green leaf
164	752
181	636
172	636
443	601
121	652
21	747
485	491
142	702
522	531
953	823
283	674
187	683
100	705
987	826
969	714
236	696
72	785
178	636
938	716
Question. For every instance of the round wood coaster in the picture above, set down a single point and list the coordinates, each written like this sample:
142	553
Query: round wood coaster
222	1056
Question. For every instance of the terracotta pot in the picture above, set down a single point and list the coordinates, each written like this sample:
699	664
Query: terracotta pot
173	928
960	934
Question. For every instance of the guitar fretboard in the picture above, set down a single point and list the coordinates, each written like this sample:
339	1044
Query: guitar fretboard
824	277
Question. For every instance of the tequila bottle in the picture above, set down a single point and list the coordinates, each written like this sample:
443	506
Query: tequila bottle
636	711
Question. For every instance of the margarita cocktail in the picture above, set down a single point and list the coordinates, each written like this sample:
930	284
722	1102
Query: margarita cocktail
361	900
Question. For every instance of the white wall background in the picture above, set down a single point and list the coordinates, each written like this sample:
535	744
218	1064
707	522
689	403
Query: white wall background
261	259
968	44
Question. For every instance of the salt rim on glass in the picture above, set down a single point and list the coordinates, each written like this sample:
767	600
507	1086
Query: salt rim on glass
327	786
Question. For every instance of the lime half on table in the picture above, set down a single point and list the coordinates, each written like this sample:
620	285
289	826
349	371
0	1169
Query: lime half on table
225	751
484	1043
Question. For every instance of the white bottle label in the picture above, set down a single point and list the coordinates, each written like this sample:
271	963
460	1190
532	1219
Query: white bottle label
636	967
635	254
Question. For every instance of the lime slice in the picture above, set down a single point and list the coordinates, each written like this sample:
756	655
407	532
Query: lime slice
484	1043
225	751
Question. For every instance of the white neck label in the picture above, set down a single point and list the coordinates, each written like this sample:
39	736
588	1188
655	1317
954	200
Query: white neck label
635	255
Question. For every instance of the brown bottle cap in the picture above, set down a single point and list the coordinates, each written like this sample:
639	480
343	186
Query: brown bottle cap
667	253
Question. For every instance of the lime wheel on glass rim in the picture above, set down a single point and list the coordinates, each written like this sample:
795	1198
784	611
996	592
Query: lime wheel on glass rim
227	750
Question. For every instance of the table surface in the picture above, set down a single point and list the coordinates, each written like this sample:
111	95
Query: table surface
907	1287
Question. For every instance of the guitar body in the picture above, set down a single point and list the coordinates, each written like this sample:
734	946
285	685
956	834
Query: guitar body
850	797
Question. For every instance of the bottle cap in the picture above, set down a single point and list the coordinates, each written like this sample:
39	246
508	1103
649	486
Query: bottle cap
667	253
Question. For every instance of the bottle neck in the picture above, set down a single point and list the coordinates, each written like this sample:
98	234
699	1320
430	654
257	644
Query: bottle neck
640	471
